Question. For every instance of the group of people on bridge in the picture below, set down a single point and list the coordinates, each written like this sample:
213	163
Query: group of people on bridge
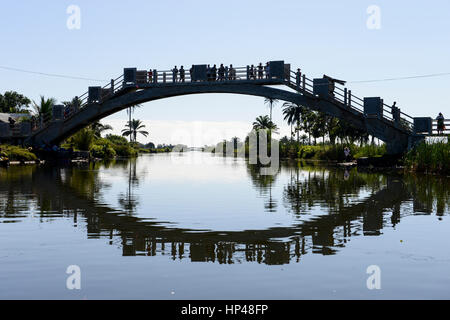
213	73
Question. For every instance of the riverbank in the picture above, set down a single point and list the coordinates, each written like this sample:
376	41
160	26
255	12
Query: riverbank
17	154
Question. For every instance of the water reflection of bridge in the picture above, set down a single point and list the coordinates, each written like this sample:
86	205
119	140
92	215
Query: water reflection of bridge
74	192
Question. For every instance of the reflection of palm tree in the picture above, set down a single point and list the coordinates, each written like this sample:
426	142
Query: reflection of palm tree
263	184
129	201
133	128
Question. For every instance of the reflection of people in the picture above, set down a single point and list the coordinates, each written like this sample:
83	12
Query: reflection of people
440	123
346	175
347	153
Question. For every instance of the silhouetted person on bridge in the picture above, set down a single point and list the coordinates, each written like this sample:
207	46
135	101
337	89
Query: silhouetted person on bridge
214	73
260	71
150	76
208	73
267	67
221	72
232	73
440	123
298	77
252	73
174	74
182	74
395	112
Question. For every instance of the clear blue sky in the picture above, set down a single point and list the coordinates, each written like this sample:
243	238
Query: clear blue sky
319	36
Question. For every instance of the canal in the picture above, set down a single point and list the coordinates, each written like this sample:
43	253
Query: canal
199	226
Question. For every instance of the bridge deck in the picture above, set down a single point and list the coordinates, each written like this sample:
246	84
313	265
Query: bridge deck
341	97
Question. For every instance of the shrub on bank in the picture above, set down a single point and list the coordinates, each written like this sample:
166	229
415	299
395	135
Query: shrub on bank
370	151
430	157
15	153
103	149
336	152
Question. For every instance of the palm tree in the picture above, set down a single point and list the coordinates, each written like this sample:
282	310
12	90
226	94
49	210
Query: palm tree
44	109
133	128
264	123
293	114
99	128
130	111
271	102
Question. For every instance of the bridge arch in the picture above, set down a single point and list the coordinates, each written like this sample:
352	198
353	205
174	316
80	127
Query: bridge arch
396	138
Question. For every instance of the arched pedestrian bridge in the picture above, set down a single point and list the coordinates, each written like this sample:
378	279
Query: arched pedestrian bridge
398	130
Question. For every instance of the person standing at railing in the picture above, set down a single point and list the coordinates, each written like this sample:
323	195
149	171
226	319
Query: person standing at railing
208	73
150	76
252	73
232	73
221	72
260	71
298	77
267	70
440	123
395	112
174	74
182	74
214	73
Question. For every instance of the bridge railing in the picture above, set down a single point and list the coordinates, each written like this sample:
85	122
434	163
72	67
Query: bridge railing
348	99
446	130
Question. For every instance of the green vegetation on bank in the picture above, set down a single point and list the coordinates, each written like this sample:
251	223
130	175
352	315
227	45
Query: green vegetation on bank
336	152
104	148
293	150
14	153
430	157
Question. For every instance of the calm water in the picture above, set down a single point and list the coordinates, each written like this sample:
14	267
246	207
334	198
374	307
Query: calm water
195	226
